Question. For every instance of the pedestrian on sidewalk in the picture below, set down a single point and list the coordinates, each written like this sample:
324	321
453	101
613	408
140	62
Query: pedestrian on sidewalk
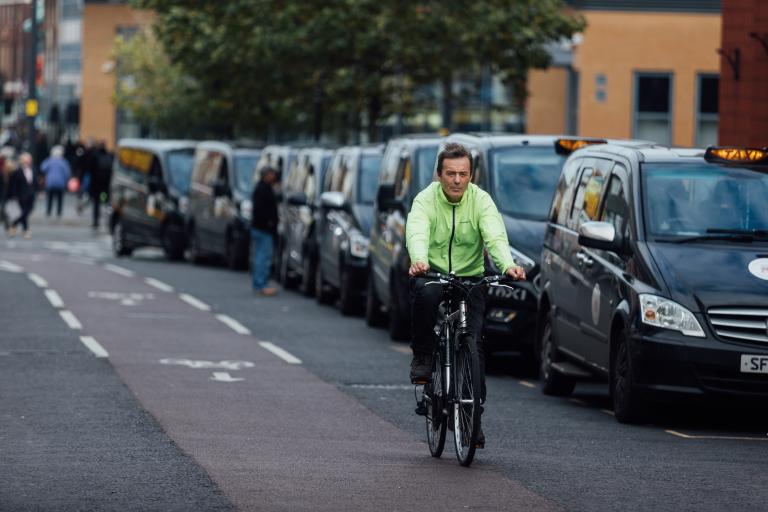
263	231
6	168
57	172
23	188
98	186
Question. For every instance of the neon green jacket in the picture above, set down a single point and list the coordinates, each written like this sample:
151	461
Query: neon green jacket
450	236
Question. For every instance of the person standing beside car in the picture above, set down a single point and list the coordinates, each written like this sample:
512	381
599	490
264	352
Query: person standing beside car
98	187
263	231
57	172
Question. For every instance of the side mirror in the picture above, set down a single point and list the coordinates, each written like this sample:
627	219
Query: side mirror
600	235
333	200
385	199
297	199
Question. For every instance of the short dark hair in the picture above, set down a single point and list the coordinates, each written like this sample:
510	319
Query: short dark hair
450	151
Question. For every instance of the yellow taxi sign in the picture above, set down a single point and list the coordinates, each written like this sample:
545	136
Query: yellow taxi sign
31	108
568	146
736	155
135	159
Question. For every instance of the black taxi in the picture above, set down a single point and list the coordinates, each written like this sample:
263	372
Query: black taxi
654	274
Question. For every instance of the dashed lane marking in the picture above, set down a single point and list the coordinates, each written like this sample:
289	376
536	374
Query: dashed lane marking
194	302
158	284
606	411
234	324
54	298
10	267
381	386
401	349
71	319
527	384
279	352
727	438
119	270
94	346
39	281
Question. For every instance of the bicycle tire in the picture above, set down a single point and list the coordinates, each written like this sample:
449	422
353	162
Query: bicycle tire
434	397
466	408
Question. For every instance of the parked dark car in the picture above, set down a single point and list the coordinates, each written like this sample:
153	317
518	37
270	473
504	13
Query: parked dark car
301	199
343	224
407	168
220	202
149	195
654	275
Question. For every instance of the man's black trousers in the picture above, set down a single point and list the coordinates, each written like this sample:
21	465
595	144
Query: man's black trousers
425	299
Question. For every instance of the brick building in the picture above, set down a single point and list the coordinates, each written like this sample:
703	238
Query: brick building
744	73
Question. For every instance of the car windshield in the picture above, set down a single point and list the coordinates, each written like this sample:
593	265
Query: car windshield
524	180
244	167
695	200
369	178
425	166
179	165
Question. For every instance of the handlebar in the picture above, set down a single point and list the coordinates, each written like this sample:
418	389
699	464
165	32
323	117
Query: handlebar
466	285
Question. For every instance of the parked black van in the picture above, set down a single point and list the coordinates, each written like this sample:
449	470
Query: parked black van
219	217
149	195
655	274
407	168
301	199
343	223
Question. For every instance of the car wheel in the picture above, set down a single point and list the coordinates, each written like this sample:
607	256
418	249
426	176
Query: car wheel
172	246
119	245
347	296
628	405
553	383
322	294
286	275
373	314
308	271
399	328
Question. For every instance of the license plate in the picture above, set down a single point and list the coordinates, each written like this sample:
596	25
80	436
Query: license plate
754	364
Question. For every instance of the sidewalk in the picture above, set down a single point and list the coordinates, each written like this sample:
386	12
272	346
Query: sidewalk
69	215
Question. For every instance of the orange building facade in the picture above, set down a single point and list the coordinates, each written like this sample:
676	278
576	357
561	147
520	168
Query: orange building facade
634	74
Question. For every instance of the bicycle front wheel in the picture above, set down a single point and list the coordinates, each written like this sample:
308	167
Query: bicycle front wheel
434	400
466	409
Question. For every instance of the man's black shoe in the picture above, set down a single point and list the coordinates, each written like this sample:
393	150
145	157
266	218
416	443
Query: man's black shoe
421	369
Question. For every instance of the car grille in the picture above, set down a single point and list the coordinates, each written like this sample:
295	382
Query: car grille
740	324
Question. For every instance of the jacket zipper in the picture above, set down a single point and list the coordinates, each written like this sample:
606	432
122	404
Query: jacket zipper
450	242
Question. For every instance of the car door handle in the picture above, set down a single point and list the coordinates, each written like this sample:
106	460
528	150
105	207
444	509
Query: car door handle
584	260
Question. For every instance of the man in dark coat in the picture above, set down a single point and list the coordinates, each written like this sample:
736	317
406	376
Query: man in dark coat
263	231
23	187
101	174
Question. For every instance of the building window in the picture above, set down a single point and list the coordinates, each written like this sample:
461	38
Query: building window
653	107
708	87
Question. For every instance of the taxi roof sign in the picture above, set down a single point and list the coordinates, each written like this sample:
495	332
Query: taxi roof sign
568	146
736	155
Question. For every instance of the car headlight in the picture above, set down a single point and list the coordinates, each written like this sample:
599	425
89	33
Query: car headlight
183	205
246	209
522	260
664	313
358	245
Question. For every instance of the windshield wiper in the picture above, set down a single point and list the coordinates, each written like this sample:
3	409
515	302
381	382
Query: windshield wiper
736	235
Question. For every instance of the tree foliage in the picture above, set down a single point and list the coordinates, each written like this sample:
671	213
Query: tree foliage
298	66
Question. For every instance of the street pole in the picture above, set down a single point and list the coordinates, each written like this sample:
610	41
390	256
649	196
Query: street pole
31	106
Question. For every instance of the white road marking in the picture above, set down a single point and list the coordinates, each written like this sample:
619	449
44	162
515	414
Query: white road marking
606	411
94	346
71	319
401	349
225	377
119	270
194	302
54	298
234	324
10	267
279	352
224	365
158	284
729	438
381	386
39	281
577	401
527	384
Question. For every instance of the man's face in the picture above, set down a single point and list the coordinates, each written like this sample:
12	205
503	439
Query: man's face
26	160
455	178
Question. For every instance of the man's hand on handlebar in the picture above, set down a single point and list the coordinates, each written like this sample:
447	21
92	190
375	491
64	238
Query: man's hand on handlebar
517	273
418	268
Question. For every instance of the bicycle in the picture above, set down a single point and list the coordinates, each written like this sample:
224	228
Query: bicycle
454	388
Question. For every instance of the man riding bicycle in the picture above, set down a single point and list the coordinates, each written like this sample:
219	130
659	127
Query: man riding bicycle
448	224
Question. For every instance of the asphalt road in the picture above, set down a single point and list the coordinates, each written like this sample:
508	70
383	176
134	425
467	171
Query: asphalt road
282	404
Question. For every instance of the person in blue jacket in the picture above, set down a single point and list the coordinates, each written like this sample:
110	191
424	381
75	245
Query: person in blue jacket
57	173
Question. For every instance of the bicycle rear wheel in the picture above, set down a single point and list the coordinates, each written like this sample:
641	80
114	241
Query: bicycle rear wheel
466	409
434	400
